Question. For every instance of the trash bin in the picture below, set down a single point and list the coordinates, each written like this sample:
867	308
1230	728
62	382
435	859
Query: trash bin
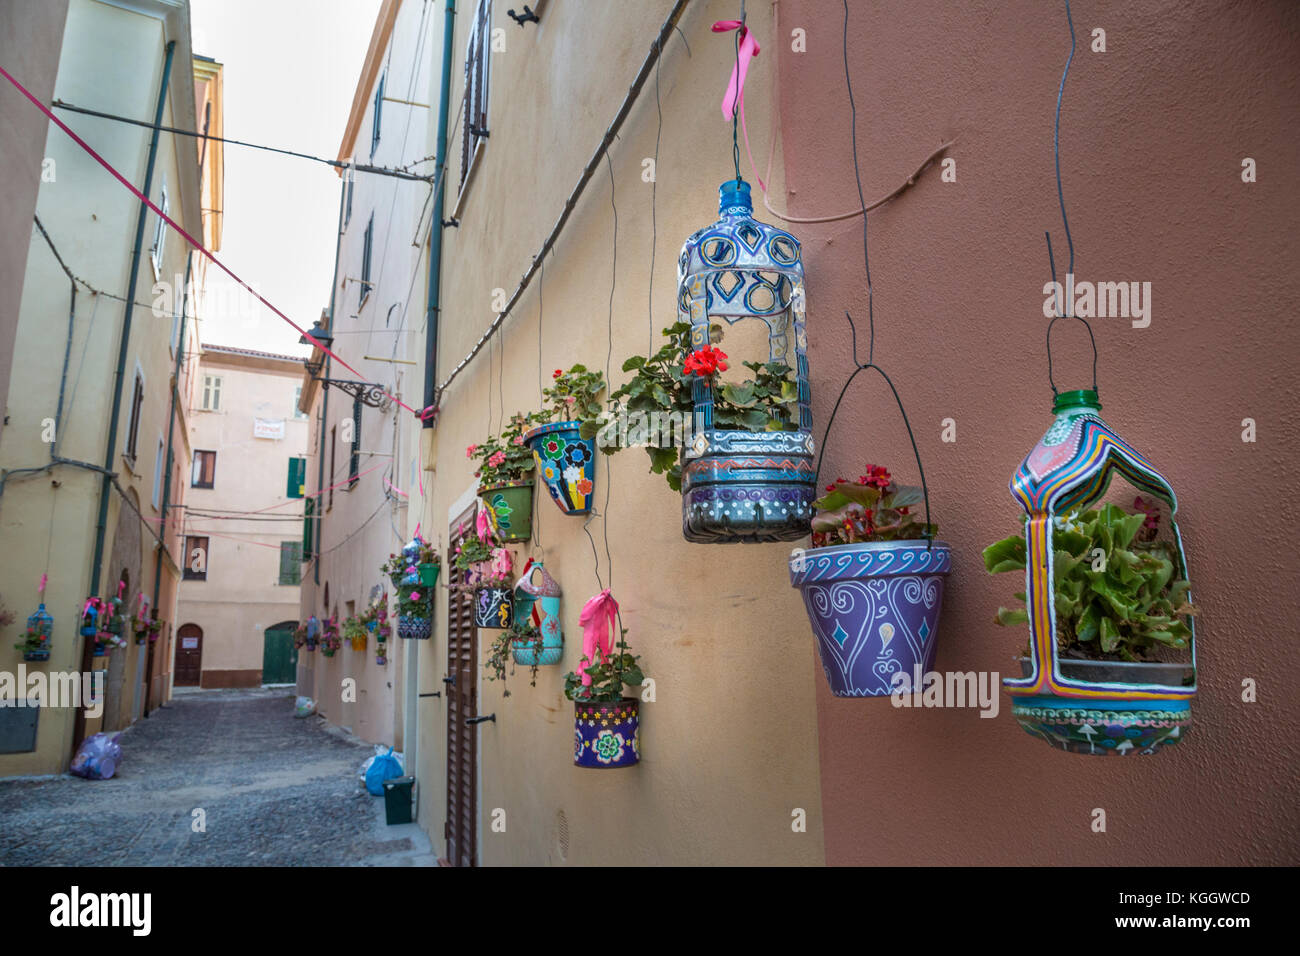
397	799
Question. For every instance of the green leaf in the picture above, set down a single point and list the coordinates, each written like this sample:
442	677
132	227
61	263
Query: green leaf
1109	635
1005	555
741	395
636	361
1008	617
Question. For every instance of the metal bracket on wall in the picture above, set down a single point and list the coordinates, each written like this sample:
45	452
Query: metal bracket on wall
471	721
526	17
432	693
367	393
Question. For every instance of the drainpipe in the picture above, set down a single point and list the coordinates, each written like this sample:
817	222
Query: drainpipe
433	308
325	392
101	525
106	484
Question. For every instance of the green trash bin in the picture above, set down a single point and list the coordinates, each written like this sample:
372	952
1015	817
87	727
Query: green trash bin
397	799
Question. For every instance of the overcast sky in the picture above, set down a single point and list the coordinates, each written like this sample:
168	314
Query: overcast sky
290	69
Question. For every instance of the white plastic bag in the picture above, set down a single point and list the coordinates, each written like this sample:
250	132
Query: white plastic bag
304	707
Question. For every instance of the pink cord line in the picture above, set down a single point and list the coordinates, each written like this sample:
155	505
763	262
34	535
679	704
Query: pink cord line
188	238
733	100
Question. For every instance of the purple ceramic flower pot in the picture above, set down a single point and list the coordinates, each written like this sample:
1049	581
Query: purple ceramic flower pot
874	609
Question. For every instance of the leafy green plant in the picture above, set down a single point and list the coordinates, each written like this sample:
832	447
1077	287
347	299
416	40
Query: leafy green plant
354	631
608	672
661	386
1118	595
414	600
505	457
873	508
500	652
573	396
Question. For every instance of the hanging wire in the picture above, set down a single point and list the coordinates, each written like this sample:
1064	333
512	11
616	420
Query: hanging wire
654	228
609	354
857	174
1063	310
735	105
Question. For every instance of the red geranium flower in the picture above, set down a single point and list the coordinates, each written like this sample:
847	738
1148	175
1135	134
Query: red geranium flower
876	477
706	362
557	373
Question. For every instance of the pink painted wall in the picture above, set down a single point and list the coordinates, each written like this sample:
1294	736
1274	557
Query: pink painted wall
1153	135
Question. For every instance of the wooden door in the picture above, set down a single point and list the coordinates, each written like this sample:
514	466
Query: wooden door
461	828
189	656
279	656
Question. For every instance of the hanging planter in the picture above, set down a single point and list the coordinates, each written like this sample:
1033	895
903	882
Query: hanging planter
564	451
1097	679
330	638
510	508
873	589
313	633
414	613
494	606
537	602
37	638
606	724
354	632
505	474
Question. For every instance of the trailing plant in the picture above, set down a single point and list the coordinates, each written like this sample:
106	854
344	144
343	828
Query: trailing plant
608	672
500	652
573	396
330	640
505	457
660	391
1119	594
413	600
873	508
394	567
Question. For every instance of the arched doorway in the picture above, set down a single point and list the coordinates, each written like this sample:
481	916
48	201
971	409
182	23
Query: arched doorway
189	656
279	656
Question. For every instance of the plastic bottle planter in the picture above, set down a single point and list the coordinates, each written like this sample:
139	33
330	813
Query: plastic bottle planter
606	734
313	632
567	463
414	628
494	607
1089	707
874	609
510	509
428	574
537	599
740	485
40	628
101	644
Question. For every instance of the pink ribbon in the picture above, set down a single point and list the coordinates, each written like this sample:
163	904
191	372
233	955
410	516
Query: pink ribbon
45	579
481	526
733	101
598	619
502	563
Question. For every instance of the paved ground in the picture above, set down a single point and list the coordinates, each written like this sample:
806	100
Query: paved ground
277	791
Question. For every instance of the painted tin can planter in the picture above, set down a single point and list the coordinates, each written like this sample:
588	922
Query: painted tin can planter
606	733
494	607
428	574
567	463
748	486
537	599
40	629
874	609
1108	726
510	509
414	628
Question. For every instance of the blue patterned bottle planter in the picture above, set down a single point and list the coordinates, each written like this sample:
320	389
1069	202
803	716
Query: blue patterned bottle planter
606	734
414	628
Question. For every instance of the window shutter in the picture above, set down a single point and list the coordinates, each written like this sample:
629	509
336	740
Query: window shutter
354	459
297	478
308	524
290	563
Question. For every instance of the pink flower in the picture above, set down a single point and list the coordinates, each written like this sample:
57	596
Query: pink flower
497	459
519	439
469	452
415	595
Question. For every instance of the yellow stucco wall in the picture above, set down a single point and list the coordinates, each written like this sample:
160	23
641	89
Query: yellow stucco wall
730	744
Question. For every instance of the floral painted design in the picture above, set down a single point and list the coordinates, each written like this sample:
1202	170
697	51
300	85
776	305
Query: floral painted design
553	447
577	454
584	486
608	746
572	474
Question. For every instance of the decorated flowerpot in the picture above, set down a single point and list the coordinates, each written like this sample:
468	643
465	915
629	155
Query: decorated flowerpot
358	643
1102	726
874	609
414	628
428	574
510	509
327	651
494	607
567	463
381	659
36	655
537	600
606	734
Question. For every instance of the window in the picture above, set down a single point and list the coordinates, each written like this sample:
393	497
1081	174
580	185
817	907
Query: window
354	459
137	407
158	472
196	559
297	485
378	112
291	563
159	233
474	131
205	469
347	192
366	244
297	400
308	523
212	393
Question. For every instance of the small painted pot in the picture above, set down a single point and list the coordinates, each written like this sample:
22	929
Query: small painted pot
1108	726
494	607
606	734
567	463
327	651
527	654
414	628
43	655
510	509
358	643
874	609
381	659
428	574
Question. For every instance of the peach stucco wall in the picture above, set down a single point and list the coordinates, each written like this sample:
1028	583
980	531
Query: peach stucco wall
1153	135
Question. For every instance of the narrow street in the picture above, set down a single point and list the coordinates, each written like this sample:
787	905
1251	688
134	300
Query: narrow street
275	790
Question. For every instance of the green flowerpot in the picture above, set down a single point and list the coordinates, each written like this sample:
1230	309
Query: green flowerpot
510	508
429	574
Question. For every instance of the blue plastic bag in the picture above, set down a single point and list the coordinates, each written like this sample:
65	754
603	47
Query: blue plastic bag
97	757
384	767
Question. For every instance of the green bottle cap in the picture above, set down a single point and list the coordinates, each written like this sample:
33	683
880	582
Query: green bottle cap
1073	399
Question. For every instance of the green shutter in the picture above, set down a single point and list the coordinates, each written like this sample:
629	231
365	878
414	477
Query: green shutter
297	485
308	523
290	562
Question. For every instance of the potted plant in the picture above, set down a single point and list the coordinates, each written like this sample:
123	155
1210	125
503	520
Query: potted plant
428	566
330	641
872	585
413	612
1122	610
153	628
606	723
36	639
505	474
394	569
486	569
565	457
504	648
300	635
537	602
354	632
313	633
139	628
383	631
90	612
